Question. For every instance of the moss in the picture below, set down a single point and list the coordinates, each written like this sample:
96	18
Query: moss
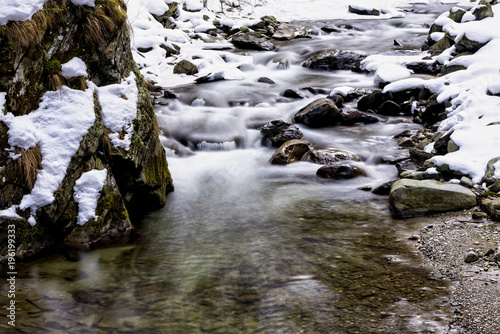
491	194
53	67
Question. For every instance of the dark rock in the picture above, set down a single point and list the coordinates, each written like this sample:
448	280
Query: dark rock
337	99
406	165
330	29
433	113
266	80
340	171
351	117
410	198
395	158
482	11
320	113
293	94
419	155
389	108
166	18
489	176
384	188
492	207
170	50
185	67
252	40
420	175
465	44
447	69
422	67
373	100
441	145
364	11
406	142
330	155
169	95
145	50
334	59
291	151
444	43
456	14
278	132
471	257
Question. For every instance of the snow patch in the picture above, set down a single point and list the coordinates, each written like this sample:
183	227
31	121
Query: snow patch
74	68
19	10
90	3
87	191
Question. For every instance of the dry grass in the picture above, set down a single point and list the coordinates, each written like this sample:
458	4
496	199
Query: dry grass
27	33
56	81
101	23
28	164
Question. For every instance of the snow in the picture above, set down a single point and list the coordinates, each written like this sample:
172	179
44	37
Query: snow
119	109
57	127
90	3
19	10
87	191
3	97
74	68
390	72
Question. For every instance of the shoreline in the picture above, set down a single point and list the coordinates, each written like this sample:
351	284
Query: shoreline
442	242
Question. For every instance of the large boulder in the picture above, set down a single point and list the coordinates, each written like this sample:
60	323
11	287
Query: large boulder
291	151
411	198
334	59
319	113
330	155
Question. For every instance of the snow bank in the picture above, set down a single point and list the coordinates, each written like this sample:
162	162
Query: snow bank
87	191
90	3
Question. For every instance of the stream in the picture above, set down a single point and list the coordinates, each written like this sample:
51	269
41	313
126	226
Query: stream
243	246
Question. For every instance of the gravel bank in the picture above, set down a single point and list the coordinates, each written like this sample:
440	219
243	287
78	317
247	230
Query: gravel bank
445	241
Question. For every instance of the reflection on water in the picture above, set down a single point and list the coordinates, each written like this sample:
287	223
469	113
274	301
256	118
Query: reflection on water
246	247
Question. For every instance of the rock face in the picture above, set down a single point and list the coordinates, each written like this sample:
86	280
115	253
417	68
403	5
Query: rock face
137	177
411	198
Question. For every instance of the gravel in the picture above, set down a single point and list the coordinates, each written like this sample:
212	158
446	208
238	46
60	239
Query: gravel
466	252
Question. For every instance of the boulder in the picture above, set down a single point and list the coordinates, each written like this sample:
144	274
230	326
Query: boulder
330	155
466	44
363	10
252	40
482	11
185	67
277	132
373	100
286	31
492	207
389	108
489	176
334	59
340	171
351	117
384	188
320	113
411	198
291	151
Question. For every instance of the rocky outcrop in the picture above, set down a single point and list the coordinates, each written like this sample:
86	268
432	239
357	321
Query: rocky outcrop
411	198
136	179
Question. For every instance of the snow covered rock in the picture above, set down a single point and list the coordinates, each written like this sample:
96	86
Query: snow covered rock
363	10
334	59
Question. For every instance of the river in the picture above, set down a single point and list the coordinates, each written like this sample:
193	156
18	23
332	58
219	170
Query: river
244	246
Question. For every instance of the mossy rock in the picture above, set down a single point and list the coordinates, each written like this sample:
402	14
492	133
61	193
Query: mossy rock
465	44
456	14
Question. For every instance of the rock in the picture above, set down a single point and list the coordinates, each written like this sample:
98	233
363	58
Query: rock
252	40
363	10
495	187
419	155
320	113
471	257
330	155
351	117
331	29
286	31
395	158
278	132
291	151
170	50
424	67
293	94
185	67
441	144
266	80
406	142
384	188
456	14
407	165
373	100
166	18
489	176
433	113
340	171
420	175
466	182
389	108
334	59
411	198
466	44
492	207
482	11
444	43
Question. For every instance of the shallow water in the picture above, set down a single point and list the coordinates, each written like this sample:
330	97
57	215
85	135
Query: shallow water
243	246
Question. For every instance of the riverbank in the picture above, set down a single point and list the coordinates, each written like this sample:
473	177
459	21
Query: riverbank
443	242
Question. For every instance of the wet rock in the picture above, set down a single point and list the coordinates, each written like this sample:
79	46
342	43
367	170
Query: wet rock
293	94
492	207
384	188
320	113
330	155
340	171
185	67
334	59
489	176
395	158
373	100
407	165
424	67
169	95
406	142
410	198
291	151
471	257
331	29
389	108
433	113
252	40
286	31
419	155
363	10
277	132
266	80
421	175
351	117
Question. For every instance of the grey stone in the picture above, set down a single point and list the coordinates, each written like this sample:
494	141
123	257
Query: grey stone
320	113
471	257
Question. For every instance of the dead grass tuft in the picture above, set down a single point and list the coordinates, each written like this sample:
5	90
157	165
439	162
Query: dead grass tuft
28	164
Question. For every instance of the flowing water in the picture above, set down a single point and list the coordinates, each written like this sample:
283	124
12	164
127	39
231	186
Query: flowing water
244	246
